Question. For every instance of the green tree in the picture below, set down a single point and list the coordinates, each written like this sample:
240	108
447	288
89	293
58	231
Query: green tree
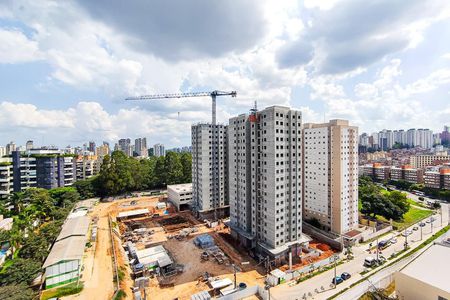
64	196
16	292
20	271
34	247
160	172
87	188
186	162
173	168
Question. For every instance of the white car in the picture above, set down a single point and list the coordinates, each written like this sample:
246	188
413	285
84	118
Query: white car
393	240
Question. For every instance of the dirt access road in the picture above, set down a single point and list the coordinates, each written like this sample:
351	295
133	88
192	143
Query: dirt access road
98	274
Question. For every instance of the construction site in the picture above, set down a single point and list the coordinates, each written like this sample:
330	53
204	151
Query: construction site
169	255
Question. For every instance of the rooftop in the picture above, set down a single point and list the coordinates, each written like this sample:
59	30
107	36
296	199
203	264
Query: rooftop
184	187
71	248
77	226
431	267
130	213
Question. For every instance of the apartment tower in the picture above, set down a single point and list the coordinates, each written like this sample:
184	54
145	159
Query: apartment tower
209	178
265	181
330	181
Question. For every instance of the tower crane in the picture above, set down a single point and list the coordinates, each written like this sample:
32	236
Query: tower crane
214	157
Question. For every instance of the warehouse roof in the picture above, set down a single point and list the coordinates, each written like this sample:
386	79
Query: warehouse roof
431	267
130	213
78	226
71	248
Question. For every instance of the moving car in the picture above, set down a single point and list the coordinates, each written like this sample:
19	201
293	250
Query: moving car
345	275
337	280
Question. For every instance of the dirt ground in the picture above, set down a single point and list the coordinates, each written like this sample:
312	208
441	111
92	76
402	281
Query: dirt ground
185	284
98	269
97	272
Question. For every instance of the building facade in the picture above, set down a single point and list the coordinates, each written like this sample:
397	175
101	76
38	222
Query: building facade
209	178
159	150
180	195
422	161
330	181
265	180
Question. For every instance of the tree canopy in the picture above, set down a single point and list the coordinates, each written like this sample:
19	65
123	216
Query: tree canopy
120	174
390	205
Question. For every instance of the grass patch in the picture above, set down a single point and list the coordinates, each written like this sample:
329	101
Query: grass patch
413	216
66	290
120	295
412	202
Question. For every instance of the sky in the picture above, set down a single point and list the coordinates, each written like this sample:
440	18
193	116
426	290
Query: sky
67	66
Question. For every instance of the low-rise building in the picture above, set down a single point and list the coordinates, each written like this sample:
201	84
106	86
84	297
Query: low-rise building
422	161
64	262
406	173
426	277
180	195
438	177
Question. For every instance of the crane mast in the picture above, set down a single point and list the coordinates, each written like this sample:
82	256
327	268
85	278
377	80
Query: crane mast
215	136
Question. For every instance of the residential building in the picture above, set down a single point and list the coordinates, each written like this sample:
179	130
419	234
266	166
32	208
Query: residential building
10	148
29	145
140	147
180	195
159	150
6	177
43	168
425	277
376	170
265	181
422	161
2	151
102	151
406	173
438	177
87	166
209	167
330	181
445	135
125	147
91	147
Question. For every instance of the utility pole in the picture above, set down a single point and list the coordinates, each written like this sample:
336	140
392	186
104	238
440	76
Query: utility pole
335	271
421	232
406	239
431	223
234	271
378	259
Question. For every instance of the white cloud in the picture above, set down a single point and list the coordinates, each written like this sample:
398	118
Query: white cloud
15	47
90	121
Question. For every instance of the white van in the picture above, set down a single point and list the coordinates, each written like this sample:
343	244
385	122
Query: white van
369	261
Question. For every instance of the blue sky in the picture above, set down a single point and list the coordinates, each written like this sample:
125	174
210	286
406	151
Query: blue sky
66	66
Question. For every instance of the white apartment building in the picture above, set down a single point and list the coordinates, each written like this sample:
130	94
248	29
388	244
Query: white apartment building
140	147
159	150
180	195
2	151
330	181
209	178
265	181
6	177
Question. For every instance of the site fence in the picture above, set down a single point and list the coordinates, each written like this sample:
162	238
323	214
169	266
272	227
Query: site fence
114	259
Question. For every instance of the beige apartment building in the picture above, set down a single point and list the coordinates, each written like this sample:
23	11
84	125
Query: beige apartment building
422	161
330	181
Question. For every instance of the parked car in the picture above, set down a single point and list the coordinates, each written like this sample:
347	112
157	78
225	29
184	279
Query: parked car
369	261
422	224
345	275
431	220
337	280
393	240
415	228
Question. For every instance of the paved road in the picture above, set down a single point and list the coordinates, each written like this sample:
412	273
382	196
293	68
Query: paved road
355	266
